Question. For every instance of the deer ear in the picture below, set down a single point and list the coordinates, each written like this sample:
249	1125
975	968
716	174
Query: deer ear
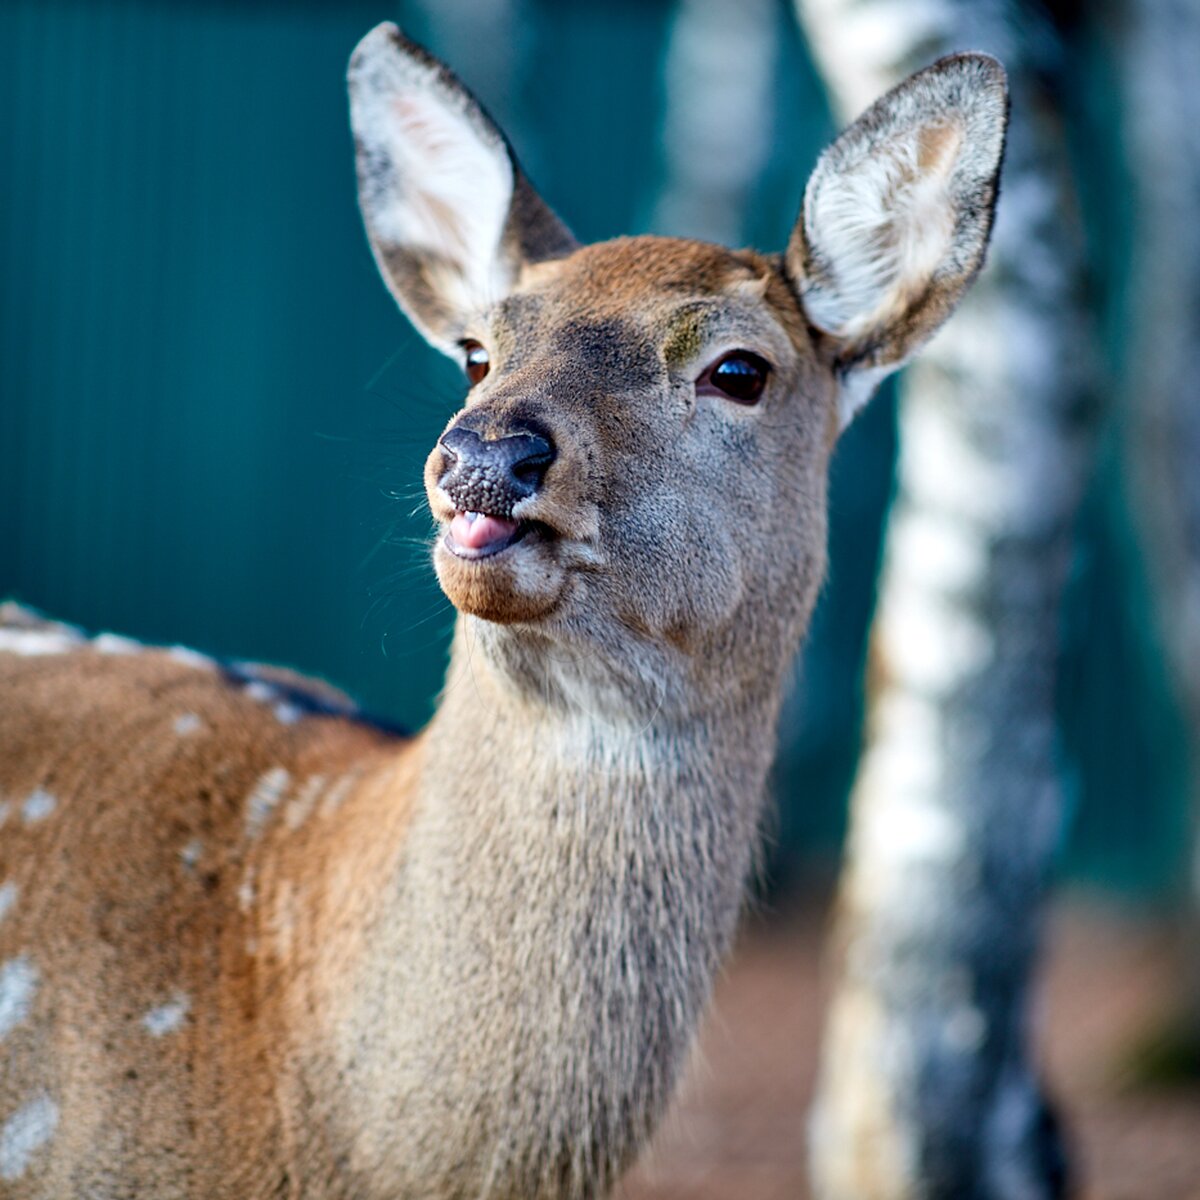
449	215
897	217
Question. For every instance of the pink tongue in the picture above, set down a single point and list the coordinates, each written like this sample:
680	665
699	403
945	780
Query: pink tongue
477	531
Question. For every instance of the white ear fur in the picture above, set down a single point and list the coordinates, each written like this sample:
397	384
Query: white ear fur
436	178
897	216
884	223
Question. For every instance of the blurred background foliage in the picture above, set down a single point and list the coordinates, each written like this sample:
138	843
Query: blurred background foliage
213	419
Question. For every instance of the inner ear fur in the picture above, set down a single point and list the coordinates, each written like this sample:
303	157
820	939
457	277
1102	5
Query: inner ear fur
897	216
450	216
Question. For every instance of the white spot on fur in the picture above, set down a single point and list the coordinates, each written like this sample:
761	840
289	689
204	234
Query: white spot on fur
24	1133
247	891
18	984
287	713
260	692
190	854
337	793
8	898
285	918
38	805
34	642
191	658
169	1017
262	801
299	808
186	723
114	643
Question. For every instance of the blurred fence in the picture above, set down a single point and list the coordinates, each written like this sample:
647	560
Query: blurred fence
213	420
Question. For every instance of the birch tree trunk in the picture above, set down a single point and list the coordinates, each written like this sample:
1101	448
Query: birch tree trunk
927	1086
1160	412
716	129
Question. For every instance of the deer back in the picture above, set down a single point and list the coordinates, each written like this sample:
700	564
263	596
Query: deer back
165	824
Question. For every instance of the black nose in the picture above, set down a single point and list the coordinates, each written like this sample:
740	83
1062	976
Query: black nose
492	476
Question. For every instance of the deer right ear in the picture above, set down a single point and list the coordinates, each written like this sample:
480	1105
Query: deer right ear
450	217
897	217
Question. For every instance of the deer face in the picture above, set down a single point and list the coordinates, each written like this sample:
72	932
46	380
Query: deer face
648	443
644	447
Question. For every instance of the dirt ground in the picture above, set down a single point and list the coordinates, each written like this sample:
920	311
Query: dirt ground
737	1130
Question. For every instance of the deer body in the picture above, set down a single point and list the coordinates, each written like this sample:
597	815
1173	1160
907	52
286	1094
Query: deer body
252	945
277	860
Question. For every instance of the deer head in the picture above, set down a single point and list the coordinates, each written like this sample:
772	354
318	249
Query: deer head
639	469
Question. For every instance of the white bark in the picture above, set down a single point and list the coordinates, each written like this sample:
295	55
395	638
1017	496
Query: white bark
927	1089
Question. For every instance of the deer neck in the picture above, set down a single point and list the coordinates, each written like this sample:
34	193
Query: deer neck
568	886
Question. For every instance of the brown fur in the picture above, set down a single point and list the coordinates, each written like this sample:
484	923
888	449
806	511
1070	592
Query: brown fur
116	921
470	964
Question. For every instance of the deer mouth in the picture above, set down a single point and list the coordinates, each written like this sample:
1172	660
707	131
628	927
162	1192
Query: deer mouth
502	568
474	535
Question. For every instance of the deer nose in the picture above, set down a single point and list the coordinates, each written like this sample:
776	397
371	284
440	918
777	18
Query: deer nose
491	476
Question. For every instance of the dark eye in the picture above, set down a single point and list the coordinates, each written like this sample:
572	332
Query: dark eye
477	362
739	376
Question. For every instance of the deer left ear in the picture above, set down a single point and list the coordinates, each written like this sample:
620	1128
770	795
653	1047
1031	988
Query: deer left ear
450	216
897	217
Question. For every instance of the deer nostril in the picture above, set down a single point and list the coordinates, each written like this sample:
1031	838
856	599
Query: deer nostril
492	475
535	456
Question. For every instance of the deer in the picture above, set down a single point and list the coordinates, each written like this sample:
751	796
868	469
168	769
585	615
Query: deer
255	944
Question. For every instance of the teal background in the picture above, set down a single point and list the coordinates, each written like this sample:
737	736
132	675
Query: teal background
213	419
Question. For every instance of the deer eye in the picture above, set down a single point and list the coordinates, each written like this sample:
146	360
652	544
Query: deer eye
739	376
477	361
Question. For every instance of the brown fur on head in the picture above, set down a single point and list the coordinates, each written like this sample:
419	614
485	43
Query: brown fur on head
674	524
